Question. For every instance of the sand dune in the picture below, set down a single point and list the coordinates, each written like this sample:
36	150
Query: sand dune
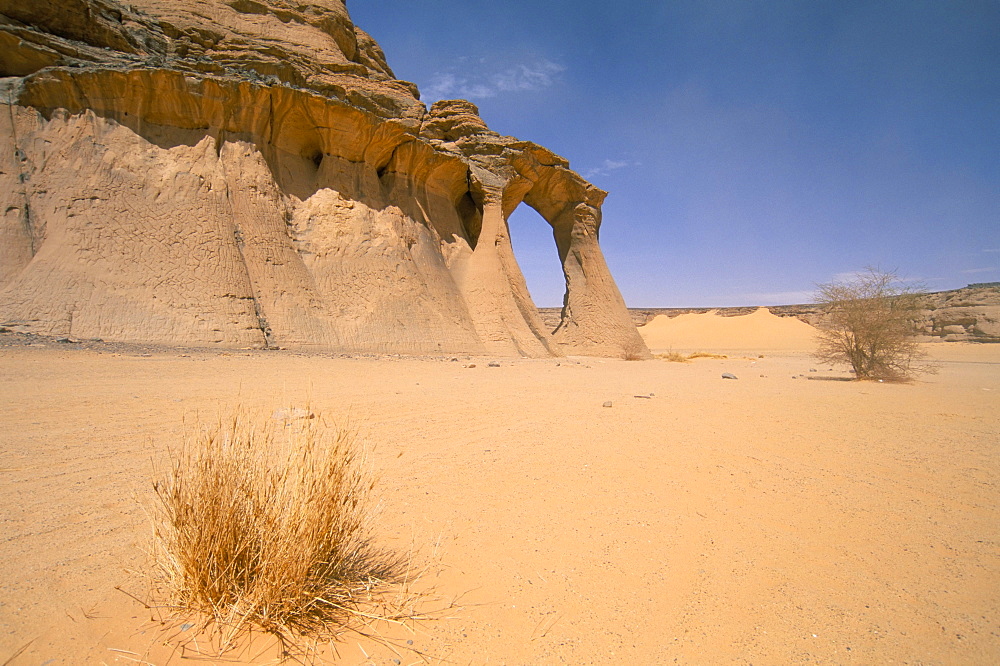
759	330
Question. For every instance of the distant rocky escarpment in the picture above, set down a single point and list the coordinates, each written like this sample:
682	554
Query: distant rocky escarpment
970	314
251	173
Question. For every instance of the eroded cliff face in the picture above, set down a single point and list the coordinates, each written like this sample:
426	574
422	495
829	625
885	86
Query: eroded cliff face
250	173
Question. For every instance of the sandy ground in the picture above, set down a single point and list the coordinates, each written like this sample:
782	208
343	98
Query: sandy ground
767	520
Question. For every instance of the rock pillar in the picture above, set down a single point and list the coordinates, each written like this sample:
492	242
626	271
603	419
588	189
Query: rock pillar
595	320
494	289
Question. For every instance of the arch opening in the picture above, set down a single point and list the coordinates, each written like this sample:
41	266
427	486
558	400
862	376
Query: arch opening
537	255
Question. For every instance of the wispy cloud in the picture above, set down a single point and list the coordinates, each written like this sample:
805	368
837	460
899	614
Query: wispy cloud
607	166
485	78
991	269
849	276
533	76
780	297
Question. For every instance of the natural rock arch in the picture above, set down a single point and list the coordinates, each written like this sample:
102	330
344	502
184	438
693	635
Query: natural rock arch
167	177
594	317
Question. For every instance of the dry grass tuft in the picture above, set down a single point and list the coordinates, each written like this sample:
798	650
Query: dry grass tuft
265	526
673	357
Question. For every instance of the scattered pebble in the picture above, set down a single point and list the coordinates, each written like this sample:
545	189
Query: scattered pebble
493	364
729	375
607	403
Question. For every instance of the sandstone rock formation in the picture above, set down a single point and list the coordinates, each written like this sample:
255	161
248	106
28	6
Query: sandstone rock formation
971	314
251	173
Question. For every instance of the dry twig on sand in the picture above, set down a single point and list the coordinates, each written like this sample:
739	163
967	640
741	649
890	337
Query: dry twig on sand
17	653
677	357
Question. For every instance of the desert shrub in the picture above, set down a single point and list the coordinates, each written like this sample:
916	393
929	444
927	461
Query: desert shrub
869	323
265	525
635	350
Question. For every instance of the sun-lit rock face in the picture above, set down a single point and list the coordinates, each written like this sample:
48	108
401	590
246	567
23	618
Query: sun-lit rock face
250	173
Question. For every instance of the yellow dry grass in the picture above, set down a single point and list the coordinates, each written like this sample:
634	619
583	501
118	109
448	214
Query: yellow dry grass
264	525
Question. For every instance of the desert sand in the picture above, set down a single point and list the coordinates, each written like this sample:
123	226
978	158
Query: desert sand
767	520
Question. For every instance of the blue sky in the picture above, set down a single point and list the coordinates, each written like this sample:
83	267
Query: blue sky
750	149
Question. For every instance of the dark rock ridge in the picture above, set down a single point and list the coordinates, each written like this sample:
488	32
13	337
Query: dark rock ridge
251	173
